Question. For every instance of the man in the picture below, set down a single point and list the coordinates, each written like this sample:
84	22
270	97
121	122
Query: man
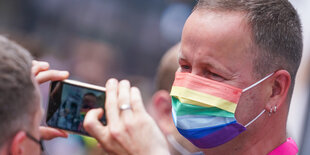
160	108
20	102
239	59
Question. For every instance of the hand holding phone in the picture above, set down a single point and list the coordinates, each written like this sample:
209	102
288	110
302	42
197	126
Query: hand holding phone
69	101
129	130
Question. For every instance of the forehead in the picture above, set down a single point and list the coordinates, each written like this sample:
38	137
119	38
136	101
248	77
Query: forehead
222	38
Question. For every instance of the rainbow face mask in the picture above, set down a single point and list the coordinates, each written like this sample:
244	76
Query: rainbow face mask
203	110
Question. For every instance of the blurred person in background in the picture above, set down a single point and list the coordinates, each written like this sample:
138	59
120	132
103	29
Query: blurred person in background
93	61
305	141
20	100
298	119
160	107
231	95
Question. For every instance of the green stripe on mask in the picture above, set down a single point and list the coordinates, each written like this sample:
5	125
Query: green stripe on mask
189	109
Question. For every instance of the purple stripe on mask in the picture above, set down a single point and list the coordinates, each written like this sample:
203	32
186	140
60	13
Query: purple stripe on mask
219	137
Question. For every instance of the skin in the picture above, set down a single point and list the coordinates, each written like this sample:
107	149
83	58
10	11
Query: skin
30	146
216	45
20	143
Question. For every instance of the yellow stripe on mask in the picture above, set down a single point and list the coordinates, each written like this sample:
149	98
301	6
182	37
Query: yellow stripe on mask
189	96
187	101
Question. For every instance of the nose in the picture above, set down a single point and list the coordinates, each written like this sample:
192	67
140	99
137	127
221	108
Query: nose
197	71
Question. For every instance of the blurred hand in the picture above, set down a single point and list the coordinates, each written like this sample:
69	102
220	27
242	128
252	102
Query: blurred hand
42	73
130	131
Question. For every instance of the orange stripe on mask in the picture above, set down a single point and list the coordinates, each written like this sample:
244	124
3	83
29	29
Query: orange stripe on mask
207	86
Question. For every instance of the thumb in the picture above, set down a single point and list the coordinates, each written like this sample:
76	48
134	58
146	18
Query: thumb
48	133
93	125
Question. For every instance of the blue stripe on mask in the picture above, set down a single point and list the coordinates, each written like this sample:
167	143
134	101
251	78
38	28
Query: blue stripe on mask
201	132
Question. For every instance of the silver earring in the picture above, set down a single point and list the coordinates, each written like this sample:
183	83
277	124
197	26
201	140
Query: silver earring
275	109
270	112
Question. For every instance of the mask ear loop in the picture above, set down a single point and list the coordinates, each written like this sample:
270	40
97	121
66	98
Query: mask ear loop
177	145
253	85
255	118
258	82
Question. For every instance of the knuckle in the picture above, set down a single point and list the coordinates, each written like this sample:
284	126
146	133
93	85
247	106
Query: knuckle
87	124
143	119
135	100
129	125
115	132
122	100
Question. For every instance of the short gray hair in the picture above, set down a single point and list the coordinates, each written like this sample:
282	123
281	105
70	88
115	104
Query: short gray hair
17	89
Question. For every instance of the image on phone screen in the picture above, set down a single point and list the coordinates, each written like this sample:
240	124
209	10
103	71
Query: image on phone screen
68	105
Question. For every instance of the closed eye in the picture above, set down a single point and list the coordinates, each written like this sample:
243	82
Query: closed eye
185	66
213	76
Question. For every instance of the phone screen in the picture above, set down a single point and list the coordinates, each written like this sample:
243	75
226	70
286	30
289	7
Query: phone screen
69	103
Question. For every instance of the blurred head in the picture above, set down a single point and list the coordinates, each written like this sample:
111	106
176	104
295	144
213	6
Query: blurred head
161	100
89	101
20	108
240	42
93	61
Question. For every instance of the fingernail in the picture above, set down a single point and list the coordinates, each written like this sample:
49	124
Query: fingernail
124	83
112	82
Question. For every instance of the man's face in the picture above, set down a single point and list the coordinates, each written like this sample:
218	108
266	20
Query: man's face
89	102
216	45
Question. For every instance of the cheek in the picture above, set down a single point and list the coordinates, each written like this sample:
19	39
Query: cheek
32	148
37	121
249	107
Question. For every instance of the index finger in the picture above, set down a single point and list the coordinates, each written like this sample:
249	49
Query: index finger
51	75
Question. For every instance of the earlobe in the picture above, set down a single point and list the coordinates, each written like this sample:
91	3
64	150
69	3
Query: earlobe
17	147
280	87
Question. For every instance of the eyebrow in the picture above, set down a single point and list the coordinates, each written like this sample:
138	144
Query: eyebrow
224	71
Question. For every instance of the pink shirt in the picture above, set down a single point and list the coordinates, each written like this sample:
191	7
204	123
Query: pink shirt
287	148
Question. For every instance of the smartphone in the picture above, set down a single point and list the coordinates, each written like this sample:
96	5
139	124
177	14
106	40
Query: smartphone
69	101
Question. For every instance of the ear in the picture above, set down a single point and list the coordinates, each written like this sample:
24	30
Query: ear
162	109
18	141
281	82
